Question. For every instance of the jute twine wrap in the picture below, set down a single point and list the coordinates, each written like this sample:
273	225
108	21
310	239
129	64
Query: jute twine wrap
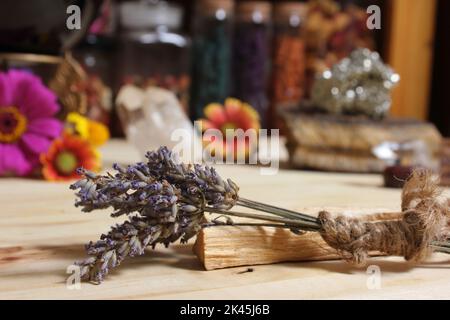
425	217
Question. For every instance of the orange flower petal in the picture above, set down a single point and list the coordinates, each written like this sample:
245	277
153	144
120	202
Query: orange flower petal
241	114
215	113
250	111
232	109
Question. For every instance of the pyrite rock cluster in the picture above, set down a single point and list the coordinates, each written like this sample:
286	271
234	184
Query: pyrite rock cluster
358	84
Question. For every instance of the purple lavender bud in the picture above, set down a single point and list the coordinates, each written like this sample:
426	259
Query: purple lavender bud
86	173
142	196
119	168
140	175
138	184
154	187
79	184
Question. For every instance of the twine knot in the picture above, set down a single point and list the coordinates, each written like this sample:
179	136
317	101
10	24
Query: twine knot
424	219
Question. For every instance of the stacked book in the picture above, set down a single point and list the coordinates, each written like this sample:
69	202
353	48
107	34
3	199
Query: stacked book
346	143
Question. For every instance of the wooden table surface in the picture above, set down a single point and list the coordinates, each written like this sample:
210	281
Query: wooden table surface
41	233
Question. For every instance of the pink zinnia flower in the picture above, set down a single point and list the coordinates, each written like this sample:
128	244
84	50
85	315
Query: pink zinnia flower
27	123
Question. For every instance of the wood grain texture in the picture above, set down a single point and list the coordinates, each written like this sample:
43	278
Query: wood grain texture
227	246
230	246
41	233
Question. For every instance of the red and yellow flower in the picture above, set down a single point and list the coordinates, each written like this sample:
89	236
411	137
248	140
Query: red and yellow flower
234	114
65	155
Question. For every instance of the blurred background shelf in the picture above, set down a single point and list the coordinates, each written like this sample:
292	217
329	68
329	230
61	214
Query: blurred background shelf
412	39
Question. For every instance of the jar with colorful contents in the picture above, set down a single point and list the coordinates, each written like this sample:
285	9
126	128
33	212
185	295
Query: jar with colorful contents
288	62
211	54
152	50
251	59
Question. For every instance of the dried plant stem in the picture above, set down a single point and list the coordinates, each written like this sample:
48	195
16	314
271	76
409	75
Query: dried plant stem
441	246
275	210
441	249
268	225
292	223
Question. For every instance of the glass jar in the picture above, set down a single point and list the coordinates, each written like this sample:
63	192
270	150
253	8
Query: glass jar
152	50
95	55
288	62
251	57
211	54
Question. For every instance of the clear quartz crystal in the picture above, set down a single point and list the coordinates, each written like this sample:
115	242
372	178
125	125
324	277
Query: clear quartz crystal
154	117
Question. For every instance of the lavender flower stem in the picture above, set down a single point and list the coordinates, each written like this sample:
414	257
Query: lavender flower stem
443	249
293	223
441	244
269	225
275	210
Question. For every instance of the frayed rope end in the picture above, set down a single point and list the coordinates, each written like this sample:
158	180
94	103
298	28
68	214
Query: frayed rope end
425	218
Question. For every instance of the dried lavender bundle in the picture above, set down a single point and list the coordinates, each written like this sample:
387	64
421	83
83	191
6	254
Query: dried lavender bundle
167	200
168	197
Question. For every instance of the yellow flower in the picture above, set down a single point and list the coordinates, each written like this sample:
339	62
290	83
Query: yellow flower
94	132
98	133
77	124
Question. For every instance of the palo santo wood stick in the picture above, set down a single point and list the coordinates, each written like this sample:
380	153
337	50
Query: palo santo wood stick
231	246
